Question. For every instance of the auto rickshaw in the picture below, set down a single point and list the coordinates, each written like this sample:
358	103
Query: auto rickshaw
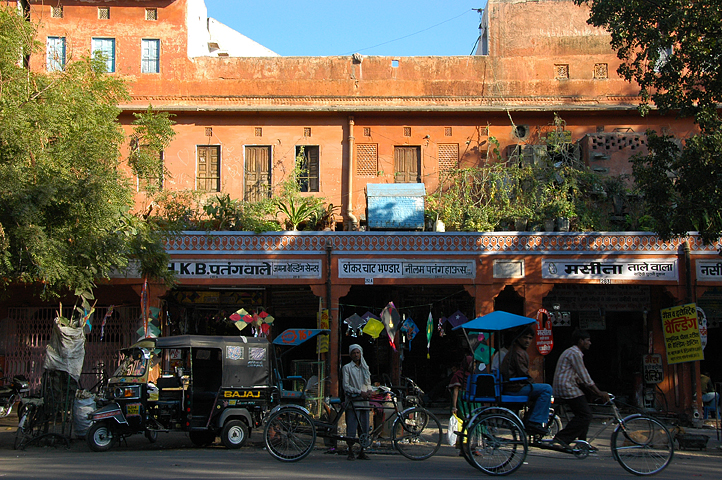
208	386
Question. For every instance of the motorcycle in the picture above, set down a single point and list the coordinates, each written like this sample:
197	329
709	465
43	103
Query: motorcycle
11	391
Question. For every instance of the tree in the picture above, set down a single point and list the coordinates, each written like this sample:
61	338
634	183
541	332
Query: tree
673	49
65	199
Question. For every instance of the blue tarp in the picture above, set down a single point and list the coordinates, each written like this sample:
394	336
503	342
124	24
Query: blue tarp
496	322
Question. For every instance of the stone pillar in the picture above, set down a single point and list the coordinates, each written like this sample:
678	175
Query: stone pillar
533	297
484	296
337	291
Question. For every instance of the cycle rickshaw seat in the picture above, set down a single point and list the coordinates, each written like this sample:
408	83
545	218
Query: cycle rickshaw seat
486	388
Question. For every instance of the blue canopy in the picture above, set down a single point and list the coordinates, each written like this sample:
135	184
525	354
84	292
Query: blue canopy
296	336
496	322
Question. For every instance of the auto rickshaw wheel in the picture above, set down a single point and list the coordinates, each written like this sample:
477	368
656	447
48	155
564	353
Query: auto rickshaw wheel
234	434
151	435
100	437
202	438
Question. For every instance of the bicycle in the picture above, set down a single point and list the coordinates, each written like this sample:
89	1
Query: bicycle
290	432
496	442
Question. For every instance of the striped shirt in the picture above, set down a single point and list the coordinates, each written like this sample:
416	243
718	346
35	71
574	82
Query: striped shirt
570	373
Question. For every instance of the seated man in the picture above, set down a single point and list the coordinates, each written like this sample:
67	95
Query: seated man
516	365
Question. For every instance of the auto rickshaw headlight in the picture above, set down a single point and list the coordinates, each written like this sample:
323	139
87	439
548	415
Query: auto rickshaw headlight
130	391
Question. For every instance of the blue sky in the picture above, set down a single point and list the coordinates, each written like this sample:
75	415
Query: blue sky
369	27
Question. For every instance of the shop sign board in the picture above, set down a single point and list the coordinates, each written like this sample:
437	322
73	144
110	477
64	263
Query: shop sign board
251	269
397	268
681	334
652	368
544	335
608	270
709	271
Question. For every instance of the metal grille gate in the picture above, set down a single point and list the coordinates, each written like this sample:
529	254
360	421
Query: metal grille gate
27	332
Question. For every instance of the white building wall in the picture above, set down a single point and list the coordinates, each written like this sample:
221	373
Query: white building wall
207	37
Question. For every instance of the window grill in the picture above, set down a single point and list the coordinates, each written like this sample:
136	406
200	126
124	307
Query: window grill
367	159
151	14
56	12
601	70
561	72
104	13
448	156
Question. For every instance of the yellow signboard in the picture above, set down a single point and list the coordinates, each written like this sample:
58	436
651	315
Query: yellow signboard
322	342
681	334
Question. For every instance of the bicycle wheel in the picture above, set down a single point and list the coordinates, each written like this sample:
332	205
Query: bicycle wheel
417	433
555	425
289	434
29	427
495	444
642	445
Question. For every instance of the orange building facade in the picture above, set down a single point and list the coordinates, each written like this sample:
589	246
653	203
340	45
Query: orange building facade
242	120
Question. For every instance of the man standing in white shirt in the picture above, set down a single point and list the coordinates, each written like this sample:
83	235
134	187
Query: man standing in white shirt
569	375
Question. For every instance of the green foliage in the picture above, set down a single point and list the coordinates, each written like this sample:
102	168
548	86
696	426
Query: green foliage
671	49
683	187
152	134
64	200
554	183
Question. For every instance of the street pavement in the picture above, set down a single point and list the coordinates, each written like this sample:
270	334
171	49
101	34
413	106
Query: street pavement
173	456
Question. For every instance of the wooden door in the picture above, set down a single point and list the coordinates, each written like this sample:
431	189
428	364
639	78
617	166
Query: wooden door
257	173
407	164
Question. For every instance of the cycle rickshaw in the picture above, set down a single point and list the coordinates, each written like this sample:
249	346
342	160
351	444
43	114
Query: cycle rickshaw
494	439
290	430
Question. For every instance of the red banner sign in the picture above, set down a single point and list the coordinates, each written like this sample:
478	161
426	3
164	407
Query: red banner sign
544	336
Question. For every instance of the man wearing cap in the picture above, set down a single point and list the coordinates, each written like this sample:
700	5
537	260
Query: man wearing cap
357	387
569	376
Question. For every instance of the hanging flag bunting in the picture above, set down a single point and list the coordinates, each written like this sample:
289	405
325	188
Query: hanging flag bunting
429	334
390	318
354	325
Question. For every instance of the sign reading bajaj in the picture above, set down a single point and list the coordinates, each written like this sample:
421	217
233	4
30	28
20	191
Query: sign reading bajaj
681	334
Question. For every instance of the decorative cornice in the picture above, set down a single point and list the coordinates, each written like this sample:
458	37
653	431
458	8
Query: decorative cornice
430	243
371	103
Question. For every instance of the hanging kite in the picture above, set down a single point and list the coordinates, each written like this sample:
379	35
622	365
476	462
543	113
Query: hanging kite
354	325
442	321
457	319
409	328
390	318
238	319
429	333
373	327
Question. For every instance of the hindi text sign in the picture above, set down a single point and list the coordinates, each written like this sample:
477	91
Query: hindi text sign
681	334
